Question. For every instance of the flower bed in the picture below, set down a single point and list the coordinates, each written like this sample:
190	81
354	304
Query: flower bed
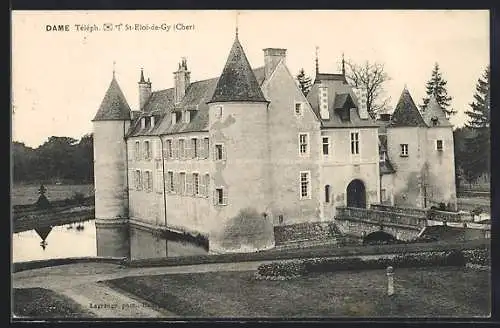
297	268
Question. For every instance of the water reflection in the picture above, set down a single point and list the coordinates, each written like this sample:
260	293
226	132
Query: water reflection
79	240
55	242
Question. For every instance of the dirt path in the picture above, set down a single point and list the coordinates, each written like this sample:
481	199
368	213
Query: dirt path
81	282
106	302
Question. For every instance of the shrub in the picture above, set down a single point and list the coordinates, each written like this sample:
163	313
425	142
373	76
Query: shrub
479	256
281	270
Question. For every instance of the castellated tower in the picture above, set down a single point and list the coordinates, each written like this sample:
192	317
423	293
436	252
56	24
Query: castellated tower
238	131
110	124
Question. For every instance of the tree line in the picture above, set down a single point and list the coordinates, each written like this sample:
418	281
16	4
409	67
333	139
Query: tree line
57	159
472	141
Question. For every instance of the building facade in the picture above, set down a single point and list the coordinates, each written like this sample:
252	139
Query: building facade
231	157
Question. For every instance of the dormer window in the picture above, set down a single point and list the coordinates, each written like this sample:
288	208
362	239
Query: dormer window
434	121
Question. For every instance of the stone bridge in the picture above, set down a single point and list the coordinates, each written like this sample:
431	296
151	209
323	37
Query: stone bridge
359	222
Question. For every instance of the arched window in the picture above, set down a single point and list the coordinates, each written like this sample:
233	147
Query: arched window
327	193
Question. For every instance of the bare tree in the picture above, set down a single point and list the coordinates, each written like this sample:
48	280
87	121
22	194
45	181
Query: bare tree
369	77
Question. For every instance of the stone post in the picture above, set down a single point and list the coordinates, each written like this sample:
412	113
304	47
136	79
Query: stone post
390	280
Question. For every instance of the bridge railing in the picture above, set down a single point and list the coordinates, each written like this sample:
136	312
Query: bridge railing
400	210
381	217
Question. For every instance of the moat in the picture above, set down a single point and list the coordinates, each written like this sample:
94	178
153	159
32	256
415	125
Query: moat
79	240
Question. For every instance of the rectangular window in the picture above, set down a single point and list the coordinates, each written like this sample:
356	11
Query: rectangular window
326	145
439	145
206	147
182	183
303	143
157	149
169	149
404	150
196	184
137	150
219	152
220	197
304	185
170	181
355	143
147	151
182	150
383	195
138	182
194	147
298	109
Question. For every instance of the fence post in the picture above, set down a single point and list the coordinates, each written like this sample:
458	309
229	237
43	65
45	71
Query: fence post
390	280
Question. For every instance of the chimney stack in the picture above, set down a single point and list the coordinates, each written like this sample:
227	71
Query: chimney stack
181	80
144	91
272	57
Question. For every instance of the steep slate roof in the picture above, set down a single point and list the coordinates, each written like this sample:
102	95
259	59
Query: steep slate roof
197	95
114	106
338	95
406	113
237	81
433	110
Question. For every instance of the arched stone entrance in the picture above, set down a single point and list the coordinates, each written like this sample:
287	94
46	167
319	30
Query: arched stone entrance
356	194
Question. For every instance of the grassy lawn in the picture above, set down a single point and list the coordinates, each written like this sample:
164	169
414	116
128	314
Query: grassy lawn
44	303
28	194
419	293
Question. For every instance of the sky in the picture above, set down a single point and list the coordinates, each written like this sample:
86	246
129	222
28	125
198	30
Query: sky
59	78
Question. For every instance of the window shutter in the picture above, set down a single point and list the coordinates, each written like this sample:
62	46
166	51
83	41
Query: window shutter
139	180
215	196
224	196
207	185
187	149
189	184
174	149
159	181
201	185
223	153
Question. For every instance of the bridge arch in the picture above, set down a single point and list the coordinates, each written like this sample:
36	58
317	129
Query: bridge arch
379	236
356	194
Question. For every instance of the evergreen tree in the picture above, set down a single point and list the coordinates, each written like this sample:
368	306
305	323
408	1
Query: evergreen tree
437	86
304	82
479	123
479	115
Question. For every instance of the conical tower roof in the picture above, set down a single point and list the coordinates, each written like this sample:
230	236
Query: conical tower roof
434	115
114	106
237	81
406	113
